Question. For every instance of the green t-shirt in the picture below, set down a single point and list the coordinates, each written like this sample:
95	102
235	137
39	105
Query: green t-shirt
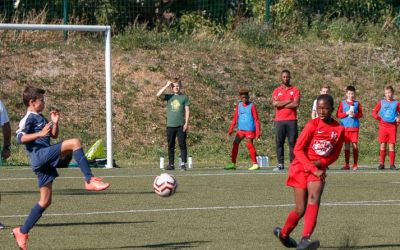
176	109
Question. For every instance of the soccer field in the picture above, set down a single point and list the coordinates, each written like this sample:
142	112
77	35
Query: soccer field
212	209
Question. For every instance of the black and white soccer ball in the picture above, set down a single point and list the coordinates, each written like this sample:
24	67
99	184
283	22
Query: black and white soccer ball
165	185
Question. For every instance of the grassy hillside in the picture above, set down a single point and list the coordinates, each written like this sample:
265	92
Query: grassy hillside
213	68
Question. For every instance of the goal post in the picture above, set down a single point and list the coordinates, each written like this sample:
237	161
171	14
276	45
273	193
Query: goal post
107	62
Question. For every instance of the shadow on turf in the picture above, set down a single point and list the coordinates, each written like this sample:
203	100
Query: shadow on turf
379	246
170	245
92	223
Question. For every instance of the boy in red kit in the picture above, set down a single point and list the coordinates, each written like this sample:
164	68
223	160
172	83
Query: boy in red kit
318	146
386	112
249	127
349	112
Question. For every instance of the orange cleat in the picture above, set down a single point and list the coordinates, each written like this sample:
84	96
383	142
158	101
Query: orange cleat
96	184
20	238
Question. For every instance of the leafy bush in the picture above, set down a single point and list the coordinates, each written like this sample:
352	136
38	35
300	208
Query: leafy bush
287	17
254	33
194	22
345	30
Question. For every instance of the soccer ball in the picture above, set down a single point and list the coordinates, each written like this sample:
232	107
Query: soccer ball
165	185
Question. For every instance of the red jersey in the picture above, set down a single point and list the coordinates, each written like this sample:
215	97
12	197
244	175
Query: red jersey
318	141
283	93
255	117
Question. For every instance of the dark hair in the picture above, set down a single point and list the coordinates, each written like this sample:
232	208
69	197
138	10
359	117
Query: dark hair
31	94
285	71
178	81
327	98
350	88
389	87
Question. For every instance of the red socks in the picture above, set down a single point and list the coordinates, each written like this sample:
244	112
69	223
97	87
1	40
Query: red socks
310	219
291	222
252	152
355	156
235	150
392	156
382	154
347	156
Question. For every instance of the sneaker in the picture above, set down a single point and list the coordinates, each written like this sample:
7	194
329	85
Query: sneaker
381	167
96	184
254	167
2	226
355	167
230	166
183	167
20	238
287	242
170	167
346	167
279	167
393	167
307	244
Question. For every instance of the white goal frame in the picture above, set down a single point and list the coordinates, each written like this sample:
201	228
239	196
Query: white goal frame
107	56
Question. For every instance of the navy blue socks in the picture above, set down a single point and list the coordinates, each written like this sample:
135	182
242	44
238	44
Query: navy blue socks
34	216
83	164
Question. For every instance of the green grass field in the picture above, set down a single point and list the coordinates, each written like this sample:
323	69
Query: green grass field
212	209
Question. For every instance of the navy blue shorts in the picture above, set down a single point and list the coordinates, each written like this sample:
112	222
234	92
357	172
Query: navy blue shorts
45	163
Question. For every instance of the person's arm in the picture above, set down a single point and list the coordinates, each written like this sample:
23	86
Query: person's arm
339	113
280	104
6	128
55	115
256	121
375	111
186	125
293	104
25	138
302	144
234	120
314	110
161	91
359	113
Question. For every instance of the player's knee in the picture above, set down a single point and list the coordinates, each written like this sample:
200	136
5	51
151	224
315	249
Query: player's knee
300	210
76	142
45	203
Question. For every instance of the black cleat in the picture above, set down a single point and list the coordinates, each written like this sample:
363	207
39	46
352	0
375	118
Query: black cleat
393	167
307	244
381	167
183	167
287	242
170	167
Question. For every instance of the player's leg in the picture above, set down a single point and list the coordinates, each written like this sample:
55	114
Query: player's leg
21	233
346	156
300	197
182	146
92	183
355	155
382	155
235	149
252	152
292	134
280	136
315	190
392	155
171	137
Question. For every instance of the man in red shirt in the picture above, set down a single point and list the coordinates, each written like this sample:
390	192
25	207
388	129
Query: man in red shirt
286	100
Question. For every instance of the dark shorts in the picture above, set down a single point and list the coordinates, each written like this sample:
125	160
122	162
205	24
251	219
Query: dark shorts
45	163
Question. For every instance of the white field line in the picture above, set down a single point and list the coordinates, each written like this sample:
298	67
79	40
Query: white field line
163	210
201	174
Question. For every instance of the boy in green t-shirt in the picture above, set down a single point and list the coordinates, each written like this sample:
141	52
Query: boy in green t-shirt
177	121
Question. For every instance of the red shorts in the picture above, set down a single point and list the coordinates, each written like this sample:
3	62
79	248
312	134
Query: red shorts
387	134
350	136
247	134
298	178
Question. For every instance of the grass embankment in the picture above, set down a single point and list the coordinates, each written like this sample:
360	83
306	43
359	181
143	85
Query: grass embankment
213	69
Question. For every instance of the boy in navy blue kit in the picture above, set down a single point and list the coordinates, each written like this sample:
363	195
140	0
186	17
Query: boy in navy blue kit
35	131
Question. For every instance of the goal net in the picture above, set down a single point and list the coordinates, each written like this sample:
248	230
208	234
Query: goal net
84	102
